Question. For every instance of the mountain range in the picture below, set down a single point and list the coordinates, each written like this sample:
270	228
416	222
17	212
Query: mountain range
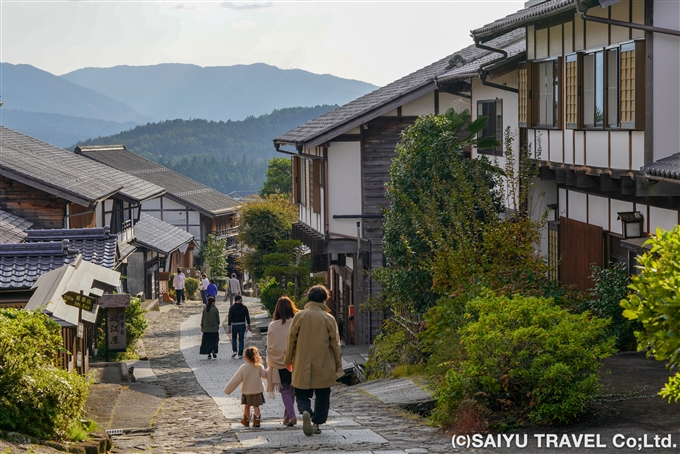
93	102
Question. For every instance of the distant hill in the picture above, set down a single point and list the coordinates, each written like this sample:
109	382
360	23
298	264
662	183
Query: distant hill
250	138
169	91
27	88
227	156
60	130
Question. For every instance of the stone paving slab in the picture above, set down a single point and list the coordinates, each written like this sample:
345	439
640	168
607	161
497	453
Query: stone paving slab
255	439
396	391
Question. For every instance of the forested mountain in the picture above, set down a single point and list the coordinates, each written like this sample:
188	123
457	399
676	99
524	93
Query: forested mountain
227	156
173	90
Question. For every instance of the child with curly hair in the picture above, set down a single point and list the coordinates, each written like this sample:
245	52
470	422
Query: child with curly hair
249	376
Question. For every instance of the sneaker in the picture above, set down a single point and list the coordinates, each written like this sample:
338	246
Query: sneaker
307	424
240	356
256	420
209	356
316	430
233	355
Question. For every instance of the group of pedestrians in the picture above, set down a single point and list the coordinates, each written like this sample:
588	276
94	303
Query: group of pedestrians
303	361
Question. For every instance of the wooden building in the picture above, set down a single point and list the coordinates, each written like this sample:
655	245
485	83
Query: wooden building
187	204
341	163
598	95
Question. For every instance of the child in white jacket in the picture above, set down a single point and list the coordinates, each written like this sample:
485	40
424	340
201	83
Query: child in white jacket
249	376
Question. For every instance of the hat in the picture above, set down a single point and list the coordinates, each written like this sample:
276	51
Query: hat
233	274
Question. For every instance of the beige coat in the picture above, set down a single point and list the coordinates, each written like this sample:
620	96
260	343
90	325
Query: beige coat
313	347
249	376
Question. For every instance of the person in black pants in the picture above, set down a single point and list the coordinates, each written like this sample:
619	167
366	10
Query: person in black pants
237	321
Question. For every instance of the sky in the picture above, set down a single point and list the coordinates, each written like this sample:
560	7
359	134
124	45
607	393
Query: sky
372	41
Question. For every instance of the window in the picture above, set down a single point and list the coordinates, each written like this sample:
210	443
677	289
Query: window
593	90
572	95
613	88
546	87
492	109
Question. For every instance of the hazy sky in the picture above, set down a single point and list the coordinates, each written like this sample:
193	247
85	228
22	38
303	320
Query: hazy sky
373	41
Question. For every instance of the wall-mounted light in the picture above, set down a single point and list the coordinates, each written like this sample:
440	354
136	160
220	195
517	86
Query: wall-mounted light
631	224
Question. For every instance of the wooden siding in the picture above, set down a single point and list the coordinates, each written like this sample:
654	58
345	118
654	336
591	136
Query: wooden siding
580	246
82	221
43	209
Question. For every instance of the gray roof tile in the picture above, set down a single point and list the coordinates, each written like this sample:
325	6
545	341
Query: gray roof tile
52	167
22	263
366	107
158	235
185	190
96	245
12	228
665	168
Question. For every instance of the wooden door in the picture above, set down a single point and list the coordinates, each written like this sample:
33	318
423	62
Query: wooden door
580	247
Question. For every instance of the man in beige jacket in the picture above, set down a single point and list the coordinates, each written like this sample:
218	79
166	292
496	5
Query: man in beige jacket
313	356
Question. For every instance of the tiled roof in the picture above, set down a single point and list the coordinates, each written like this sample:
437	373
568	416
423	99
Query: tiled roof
665	168
12	228
96	245
183	189
471	69
158	235
522	18
22	263
59	171
380	101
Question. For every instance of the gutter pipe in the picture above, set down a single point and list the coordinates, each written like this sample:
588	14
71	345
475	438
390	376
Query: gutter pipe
583	12
483	73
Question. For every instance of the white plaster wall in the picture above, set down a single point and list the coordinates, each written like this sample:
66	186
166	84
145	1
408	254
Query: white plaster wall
578	206
662	218
579	152
620	149
421	106
171	204
620	11
562	202
639	15
344	185
555	145
448	101
178	218
156	214
544	194
568	146
356	130
666	88
578	33
194	217
531	142
598	211
153	204
638	144
542	43
568	37
618	206
100	217
597	148
555	46
597	34
530	43
644	210
391	113
196	232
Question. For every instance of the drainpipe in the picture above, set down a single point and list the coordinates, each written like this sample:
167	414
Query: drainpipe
483	73
583	11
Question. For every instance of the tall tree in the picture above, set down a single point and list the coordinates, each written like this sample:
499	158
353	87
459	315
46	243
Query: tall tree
279	177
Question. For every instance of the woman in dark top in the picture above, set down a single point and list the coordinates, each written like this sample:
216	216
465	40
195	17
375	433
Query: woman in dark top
210	327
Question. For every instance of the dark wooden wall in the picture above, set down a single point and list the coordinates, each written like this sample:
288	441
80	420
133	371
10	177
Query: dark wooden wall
580	247
83	221
43	209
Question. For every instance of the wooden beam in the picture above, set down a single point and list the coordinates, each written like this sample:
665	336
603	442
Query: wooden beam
340	246
585	181
547	174
655	188
627	186
571	178
608	184
561	175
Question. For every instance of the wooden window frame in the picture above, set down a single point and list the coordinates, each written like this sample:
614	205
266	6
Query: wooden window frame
573	59
316	171
557	93
494	124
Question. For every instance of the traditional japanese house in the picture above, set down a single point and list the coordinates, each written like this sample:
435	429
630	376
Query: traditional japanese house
599	96
340	164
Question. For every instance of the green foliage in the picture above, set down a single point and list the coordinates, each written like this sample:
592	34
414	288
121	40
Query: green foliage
37	397
190	287
610	287
671	390
655	302
527	360
213	251
270	292
392	347
135	324
279	177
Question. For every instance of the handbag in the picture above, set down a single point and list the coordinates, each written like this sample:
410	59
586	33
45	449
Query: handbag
249	334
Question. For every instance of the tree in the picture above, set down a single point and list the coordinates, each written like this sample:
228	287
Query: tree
279	177
654	303
213	251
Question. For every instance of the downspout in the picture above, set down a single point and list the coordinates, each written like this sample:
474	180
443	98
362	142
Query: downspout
483	73
583	11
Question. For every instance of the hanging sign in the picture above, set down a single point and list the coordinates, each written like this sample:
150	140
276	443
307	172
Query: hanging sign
116	329
74	299
117	300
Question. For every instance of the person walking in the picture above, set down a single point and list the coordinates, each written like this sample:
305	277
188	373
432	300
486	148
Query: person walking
210	327
233	289
211	290
278	377
203	286
237	321
313	357
178	285
249	376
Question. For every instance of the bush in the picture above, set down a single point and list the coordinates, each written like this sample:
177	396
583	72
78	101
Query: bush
190	287
270	294
393	347
527	360
36	397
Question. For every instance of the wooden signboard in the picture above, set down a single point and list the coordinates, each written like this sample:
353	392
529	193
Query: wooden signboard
78	300
119	300
116	329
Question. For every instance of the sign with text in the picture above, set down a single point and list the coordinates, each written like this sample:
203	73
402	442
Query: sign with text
74	299
120	300
116	329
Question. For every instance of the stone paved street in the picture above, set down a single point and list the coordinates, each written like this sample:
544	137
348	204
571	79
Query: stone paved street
197	416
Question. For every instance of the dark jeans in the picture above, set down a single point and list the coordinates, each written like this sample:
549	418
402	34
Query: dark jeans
237	331
322	403
180	296
204	297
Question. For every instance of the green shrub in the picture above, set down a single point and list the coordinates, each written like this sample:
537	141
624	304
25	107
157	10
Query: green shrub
270	294
135	323
190	287
610	287
527	360
393	347
36	397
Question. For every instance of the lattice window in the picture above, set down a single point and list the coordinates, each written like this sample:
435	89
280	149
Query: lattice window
627	87
553	251
308	183
523	96
572	92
